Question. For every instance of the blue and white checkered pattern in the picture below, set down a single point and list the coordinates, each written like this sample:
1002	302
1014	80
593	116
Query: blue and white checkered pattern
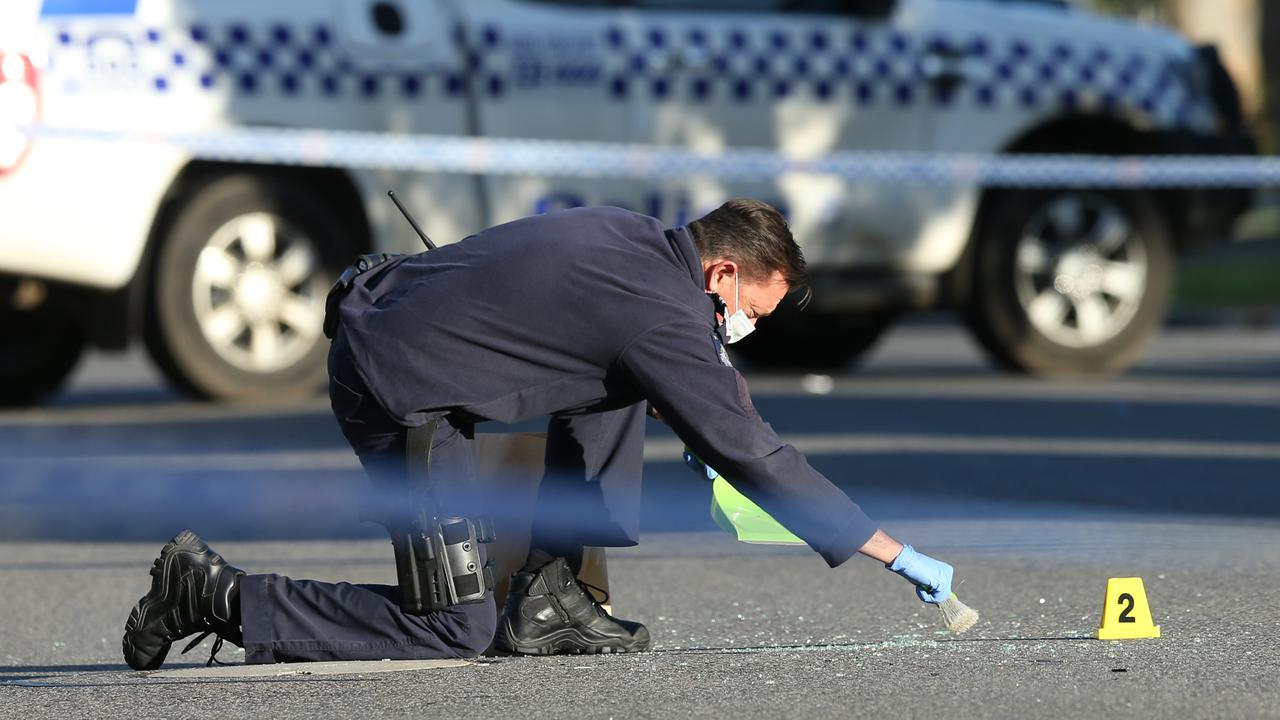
740	66
280	60
875	65
872	66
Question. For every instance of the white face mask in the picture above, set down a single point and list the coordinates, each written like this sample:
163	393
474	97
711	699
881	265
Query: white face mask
737	325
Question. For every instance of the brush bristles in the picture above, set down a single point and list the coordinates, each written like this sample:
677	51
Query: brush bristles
957	616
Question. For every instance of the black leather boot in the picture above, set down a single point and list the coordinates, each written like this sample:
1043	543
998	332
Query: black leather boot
550	612
192	591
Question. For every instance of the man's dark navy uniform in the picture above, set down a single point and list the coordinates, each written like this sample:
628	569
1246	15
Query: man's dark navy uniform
578	313
586	316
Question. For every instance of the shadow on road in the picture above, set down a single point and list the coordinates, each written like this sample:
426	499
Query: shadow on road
117	505
10	674
143	472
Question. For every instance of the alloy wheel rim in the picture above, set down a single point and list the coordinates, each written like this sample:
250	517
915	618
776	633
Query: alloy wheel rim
258	292
1080	270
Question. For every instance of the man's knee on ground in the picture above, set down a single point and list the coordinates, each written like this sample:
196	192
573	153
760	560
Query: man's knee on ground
480	623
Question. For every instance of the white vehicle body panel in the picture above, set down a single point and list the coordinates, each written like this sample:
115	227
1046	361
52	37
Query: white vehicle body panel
542	72
90	205
82	234
805	84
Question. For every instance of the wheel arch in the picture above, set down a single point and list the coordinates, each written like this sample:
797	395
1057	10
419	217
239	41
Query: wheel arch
1071	135
334	186
323	203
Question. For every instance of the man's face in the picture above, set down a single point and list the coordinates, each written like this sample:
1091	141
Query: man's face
758	297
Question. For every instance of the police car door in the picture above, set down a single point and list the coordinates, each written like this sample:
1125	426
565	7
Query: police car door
548	70
804	77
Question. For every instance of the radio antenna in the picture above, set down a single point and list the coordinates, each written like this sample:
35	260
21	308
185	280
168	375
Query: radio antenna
405	211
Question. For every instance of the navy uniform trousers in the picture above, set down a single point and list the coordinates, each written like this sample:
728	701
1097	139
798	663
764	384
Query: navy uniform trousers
590	495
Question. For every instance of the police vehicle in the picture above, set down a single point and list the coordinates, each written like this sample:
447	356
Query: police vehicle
222	267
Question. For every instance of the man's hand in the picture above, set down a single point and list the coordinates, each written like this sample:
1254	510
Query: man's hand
932	578
695	464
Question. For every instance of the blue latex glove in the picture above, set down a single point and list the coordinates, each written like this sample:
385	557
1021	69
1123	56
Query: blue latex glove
932	578
695	464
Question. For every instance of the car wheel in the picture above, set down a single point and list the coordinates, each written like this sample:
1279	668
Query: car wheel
1070	282
811	341
239	290
41	348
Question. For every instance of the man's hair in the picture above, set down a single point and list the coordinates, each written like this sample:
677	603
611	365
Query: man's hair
755	236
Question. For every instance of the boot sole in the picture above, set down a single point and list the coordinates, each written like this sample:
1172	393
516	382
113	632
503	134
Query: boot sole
569	641
161	570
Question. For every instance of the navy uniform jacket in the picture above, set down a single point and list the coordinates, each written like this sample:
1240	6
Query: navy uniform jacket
581	311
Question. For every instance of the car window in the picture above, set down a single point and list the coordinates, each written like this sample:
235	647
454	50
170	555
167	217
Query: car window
828	7
1054	3
586	3
831	7
704	5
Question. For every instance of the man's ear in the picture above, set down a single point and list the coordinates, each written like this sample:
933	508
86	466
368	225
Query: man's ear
720	270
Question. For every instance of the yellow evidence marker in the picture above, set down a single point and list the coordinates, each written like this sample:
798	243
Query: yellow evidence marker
1126	615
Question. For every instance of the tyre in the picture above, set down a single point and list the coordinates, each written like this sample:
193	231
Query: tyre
1070	282
41	348
239	288
802	340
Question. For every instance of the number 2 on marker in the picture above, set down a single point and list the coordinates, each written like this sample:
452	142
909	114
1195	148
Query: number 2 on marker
1125	615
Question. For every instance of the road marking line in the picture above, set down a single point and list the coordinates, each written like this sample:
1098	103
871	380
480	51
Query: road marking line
666	450
158	414
353	667
1161	392
1165	391
854	443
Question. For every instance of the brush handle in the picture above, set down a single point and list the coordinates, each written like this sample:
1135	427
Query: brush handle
953	594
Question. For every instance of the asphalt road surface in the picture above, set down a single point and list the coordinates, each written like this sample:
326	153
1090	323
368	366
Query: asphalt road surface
1036	491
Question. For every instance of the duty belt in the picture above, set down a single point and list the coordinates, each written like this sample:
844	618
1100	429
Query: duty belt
342	286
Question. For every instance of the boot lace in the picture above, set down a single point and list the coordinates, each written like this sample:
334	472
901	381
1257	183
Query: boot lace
589	586
591	591
213	654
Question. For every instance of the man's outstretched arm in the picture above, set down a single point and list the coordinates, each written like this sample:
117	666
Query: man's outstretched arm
707	404
677	369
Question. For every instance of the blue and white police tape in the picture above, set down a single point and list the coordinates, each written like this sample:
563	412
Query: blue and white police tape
564	158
